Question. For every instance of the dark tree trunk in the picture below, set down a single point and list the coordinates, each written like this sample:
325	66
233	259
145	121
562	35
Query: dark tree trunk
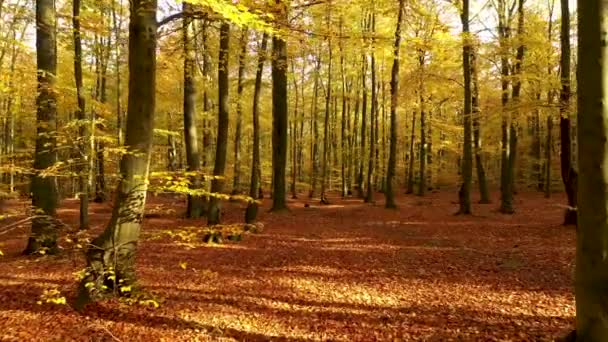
193	159
484	193
279	115
467	160
254	189
111	256
392	156
236	185
569	174
314	126
591	274
43	236
217	185
326	139
369	193
83	184
410	172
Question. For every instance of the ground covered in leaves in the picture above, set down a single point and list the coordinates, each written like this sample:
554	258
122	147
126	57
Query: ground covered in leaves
342	272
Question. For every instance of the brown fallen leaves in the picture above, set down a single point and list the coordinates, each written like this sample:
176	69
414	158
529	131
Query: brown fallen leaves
345	272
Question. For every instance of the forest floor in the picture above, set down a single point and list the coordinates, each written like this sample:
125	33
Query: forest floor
343	272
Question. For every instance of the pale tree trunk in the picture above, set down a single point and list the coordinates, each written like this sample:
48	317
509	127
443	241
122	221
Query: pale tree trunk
193	160
591	275
236	185
44	188
392	156
111	256
467	160
217	185
279	119
83	171
254	190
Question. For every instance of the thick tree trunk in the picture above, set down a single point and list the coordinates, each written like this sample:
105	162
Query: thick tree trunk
44	188
236	185
279	115
83	184
392	156
591	275
217	185
111	257
254	189
193	159
569	174
467	160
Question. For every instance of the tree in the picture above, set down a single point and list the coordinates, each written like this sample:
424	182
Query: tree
484	193
217	185
591	275
392	159
279	114
326	132
111	255
236	185
43	238
467	160
83	170
193	159
369	194
254	189
569	174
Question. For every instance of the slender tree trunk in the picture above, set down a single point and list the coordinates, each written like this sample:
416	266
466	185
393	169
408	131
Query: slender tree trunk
410	172
569	174
217	185
43	236
467	161
279	115
369	194
422	150
361	159
591	275
314	148
254	189
236	185
392	156
506	181
294	135
111	256
484	193
326	138
344	138
193	159
83	183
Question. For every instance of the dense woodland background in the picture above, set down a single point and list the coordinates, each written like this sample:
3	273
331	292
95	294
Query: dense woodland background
230	107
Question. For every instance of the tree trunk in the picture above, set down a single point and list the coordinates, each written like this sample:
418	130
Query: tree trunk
43	236
279	115
254	189
217	185
392	155
591	275
506	181
83	171
569	174
195	204
484	193
467	160
326	139
294	134
410	172
314	148
236	185
369	194
111	256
